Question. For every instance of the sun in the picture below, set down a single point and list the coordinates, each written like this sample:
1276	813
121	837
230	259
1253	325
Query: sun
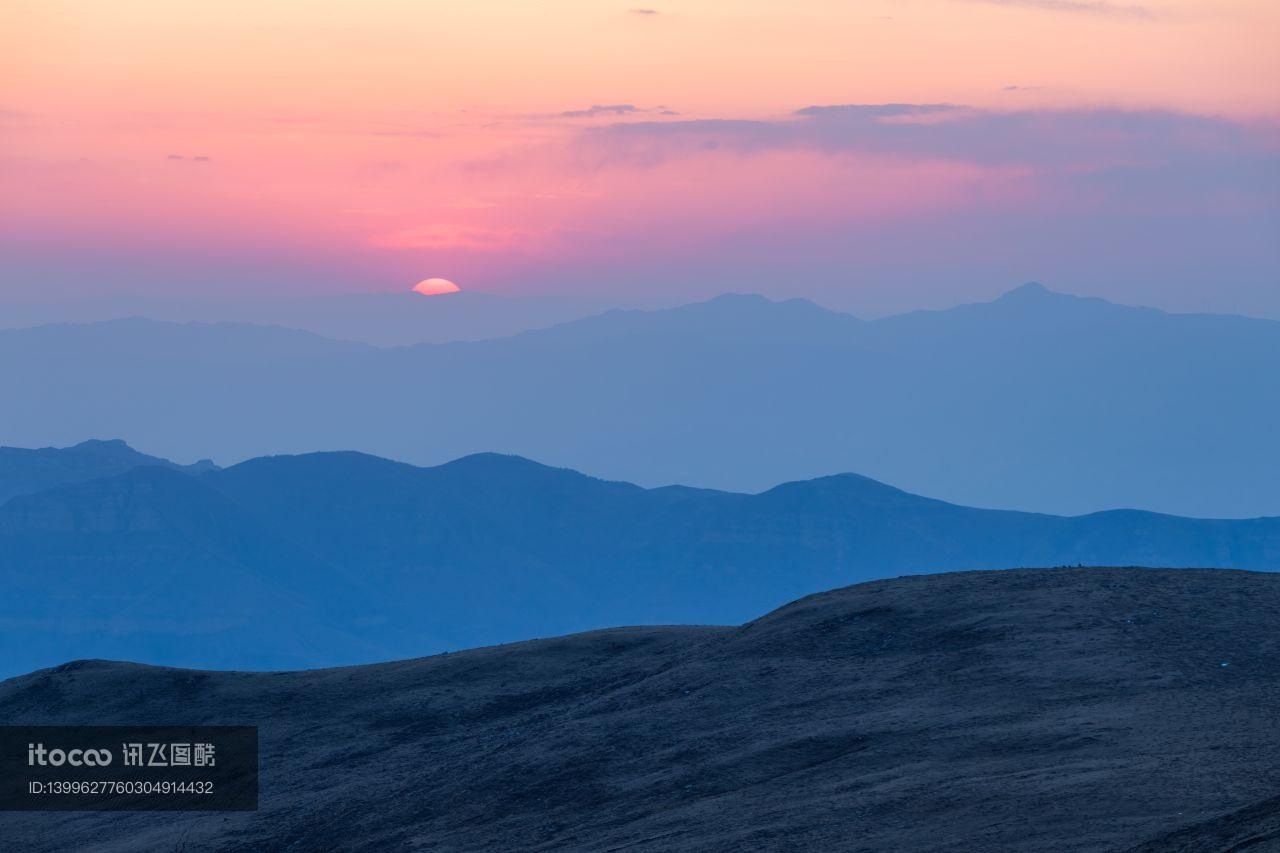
435	287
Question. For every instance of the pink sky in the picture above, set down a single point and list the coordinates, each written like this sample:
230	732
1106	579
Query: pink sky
1127	149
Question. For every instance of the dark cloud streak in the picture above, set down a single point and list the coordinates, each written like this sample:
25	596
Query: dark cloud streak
1057	138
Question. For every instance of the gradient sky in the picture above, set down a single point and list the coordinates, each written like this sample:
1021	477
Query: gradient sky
875	155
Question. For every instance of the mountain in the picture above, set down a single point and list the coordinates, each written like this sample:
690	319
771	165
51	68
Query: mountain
135	341
151	565
380	319
732	318
1254	825
1037	400
24	471
1044	711
403	319
340	558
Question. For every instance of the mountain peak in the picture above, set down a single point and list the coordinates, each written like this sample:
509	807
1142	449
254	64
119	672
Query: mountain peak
1030	290
114	445
511	468
726	317
29	471
844	490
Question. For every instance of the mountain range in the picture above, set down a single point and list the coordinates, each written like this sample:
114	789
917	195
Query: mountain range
1041	711
381	319
341	558
1035	401
24	471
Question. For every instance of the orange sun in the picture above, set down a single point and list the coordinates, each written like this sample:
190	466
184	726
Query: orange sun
435	287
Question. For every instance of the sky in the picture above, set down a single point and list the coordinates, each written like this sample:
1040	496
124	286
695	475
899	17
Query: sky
874	155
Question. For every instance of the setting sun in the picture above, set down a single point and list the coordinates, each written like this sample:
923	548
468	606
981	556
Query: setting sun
435	287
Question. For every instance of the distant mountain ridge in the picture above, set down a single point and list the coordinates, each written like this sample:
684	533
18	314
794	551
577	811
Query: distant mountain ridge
1037	400
334	558
741	317
380	319
24	471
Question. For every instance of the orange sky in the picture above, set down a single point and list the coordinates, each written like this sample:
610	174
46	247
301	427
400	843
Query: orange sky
387	127
251	60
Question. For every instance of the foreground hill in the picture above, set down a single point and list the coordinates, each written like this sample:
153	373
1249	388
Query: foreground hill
1036	401
1042	710
337	558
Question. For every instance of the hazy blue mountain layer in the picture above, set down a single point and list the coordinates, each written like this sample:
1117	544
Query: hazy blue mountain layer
24	471
381	319
335	558
1035	401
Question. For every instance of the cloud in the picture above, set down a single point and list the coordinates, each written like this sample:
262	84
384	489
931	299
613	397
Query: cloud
602	109
200	158
645	12
1093	7
618	110
950	132
877	111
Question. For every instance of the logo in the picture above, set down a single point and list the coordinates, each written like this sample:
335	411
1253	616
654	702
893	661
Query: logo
37	755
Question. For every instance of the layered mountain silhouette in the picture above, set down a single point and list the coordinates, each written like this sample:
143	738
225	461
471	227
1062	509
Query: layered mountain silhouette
1038	711
1036	401
335	558
382	319
24	471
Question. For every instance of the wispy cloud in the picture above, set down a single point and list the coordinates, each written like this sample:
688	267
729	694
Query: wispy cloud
645	12
877	112
602	109
1030	138
1092	7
